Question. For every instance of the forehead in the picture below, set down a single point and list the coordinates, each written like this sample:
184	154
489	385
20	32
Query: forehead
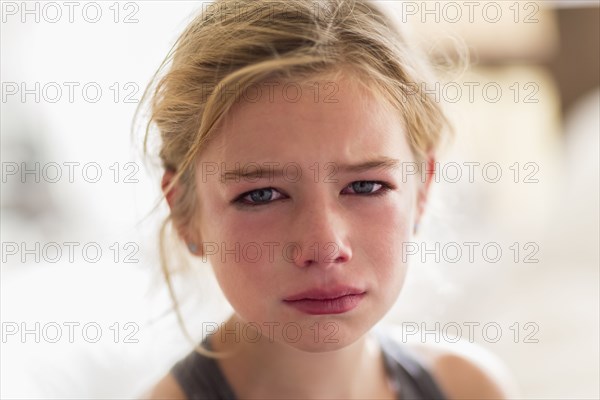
320	120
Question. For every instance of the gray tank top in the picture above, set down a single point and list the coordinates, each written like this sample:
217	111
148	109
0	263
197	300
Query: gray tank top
201	378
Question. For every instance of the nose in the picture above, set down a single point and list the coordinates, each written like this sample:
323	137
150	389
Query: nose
320	233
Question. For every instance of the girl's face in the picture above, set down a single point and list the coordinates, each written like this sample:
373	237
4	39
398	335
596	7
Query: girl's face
314	220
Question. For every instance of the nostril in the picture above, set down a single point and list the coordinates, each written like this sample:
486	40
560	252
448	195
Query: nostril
340	259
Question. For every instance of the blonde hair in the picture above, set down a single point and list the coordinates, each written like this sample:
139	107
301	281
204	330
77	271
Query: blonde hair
234	44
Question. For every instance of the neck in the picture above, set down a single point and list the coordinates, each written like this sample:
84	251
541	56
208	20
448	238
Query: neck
269	369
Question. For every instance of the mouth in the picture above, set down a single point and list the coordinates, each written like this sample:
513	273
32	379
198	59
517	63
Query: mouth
336	300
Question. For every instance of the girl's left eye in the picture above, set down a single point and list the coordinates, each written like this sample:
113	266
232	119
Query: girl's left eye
366	187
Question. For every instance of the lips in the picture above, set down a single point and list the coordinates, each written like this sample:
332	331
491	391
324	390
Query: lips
333	300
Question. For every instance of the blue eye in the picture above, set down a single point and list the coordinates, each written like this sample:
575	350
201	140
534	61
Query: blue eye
363	187
366	188
257	197
261	195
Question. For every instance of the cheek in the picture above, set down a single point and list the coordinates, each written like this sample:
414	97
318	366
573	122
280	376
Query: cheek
384	229
385	232
243	266
242	285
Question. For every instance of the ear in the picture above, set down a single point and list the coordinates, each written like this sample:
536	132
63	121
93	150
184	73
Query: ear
171	195
423	191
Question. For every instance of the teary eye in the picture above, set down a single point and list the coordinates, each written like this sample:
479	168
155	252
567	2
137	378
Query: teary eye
366	187
257	197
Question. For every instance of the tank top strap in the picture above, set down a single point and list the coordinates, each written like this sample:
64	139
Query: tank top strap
201	378
409	376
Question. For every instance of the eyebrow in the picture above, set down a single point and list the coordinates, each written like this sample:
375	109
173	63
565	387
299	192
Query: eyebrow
257	172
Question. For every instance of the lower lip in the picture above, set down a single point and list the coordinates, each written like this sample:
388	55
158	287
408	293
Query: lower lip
338	305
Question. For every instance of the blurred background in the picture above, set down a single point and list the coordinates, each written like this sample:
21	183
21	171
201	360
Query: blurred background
79	234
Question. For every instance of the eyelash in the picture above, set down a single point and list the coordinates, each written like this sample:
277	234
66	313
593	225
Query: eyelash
385	187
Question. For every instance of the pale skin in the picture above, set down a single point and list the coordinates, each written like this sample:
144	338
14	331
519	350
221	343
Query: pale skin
346	234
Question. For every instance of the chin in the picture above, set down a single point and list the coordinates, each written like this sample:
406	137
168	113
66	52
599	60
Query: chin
330	336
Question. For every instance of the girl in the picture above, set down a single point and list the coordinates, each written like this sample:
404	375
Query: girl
287	128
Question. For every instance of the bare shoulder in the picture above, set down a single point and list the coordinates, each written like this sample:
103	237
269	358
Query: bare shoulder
166	388
462	369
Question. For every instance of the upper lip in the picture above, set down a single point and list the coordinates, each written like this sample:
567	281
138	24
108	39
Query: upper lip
332	292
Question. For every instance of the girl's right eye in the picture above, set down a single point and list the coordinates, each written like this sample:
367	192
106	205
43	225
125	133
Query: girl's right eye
257	197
